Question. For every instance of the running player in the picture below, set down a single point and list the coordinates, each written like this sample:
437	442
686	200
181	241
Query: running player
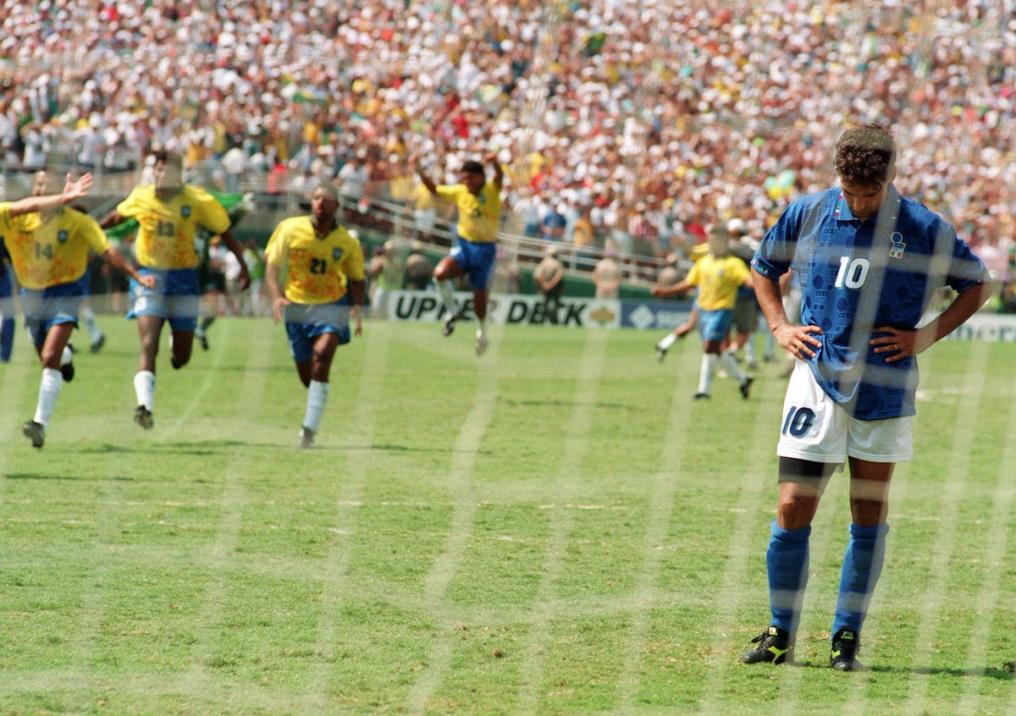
717	275
169	212
49	244
324	284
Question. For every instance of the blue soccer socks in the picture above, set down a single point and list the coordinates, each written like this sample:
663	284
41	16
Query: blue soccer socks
787	565
862	565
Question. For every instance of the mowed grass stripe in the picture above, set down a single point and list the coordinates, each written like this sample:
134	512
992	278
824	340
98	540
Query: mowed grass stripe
660	510
567	483
929	611
247	400
996	540
333	570
459	487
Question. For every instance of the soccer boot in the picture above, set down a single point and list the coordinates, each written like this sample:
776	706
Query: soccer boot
661	353
143	417
67	369
202	339
306	438
481	345
449	325
774	647
701	396
746	387
843	657
35	432
97	344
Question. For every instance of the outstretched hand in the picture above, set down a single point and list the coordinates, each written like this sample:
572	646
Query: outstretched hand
75	189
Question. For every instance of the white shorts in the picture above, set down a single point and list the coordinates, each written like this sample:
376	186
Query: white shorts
816	428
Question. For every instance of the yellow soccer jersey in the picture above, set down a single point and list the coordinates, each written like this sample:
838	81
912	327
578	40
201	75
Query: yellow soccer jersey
49	252
167	228
478	214
317	268
718	280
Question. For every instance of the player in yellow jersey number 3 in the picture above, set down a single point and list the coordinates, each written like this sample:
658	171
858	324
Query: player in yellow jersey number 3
324	284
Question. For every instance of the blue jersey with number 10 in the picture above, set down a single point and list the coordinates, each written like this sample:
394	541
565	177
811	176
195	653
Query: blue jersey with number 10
856	275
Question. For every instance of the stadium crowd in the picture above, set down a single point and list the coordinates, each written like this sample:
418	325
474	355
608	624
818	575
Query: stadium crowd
630	125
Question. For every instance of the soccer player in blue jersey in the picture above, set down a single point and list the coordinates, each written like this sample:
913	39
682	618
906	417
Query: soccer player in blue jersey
869	262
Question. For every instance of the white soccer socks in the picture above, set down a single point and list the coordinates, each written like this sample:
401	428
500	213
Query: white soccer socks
49	389
144	388
317	397
88	315
729	363
447	297
706	372
667	341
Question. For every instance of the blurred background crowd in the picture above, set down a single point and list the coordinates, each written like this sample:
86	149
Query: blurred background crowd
625	126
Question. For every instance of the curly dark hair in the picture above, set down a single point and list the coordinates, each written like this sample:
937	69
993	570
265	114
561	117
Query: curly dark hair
865	155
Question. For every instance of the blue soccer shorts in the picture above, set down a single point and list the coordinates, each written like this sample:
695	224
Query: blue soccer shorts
714	325
476	260
176	297
48	307
305	322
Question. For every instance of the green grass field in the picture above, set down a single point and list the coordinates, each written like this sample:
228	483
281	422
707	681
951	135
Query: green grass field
556	528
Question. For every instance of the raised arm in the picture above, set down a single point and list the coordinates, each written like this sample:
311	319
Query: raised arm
427	181
498	171
72	191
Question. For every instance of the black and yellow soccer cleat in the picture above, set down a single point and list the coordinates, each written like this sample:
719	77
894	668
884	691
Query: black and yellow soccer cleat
773	647
845	647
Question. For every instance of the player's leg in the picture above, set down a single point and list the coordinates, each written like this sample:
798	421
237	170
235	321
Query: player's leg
6	315
801	486
813	441
183	347
51	343
96	338
149	333
480	267
664	344
863	559
319	386
448	269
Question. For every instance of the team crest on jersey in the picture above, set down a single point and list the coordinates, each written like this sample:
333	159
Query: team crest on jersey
896	250
185	211
61	236
336	254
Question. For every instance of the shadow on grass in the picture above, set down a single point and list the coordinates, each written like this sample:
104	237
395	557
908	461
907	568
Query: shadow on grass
1001	673
213	447
564	404
41	476
200	447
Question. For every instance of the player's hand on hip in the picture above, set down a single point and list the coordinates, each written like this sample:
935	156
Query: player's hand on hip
799	341
899	343
148	280
279	307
